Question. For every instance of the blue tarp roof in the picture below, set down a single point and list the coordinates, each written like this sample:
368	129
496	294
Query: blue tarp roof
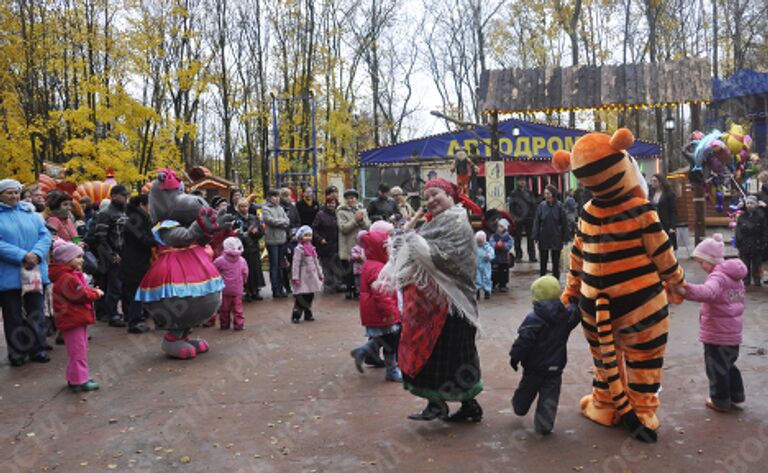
741	84
534	141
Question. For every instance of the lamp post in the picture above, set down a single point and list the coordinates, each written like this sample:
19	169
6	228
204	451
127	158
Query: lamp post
669	125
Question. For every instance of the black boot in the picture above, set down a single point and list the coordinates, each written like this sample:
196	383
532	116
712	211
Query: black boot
296	316
470	411
308	317
435	409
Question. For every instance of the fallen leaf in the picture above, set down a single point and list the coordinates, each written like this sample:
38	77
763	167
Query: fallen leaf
184	459
111	466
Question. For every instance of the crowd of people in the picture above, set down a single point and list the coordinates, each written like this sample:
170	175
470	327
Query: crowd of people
424	261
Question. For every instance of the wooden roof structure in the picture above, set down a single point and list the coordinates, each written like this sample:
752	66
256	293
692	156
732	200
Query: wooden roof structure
559	89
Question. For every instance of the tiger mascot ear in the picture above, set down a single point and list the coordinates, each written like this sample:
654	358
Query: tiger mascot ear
561	160
622	139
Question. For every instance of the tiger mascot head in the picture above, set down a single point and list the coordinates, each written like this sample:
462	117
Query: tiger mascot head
601	162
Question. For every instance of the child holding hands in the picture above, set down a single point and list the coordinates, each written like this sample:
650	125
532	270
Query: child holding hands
720	320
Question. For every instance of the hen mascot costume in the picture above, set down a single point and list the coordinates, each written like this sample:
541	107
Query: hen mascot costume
620	263
182	288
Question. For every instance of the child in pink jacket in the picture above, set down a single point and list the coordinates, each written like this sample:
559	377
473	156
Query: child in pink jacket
234	272
720	320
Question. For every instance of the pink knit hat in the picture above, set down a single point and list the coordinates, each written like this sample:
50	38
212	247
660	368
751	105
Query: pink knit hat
481	237
711	250
382	226
64	253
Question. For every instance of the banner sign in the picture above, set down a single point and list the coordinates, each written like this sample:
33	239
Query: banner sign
495	193
518	139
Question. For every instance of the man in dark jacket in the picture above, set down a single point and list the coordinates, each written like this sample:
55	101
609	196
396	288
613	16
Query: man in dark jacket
105	240
135	259
751	238
522	205
383	207
541	348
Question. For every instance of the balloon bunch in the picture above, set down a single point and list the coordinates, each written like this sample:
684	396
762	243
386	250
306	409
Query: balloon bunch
739	144
719	158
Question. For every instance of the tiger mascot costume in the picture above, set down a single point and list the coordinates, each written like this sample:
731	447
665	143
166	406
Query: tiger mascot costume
621	261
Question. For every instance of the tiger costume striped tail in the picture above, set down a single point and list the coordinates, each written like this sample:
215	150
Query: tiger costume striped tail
621	261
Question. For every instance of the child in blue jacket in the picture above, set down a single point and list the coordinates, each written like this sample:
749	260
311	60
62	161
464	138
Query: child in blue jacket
541	348
485	254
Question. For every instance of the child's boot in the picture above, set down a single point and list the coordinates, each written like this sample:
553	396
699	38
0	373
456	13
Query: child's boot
296	316
89	385
487	295
308	317
361	352
393	371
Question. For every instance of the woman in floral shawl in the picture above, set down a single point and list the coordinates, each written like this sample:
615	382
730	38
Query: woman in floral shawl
435	269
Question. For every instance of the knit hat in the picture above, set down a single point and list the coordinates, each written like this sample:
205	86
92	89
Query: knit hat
351	192
546	288
360	235
382	226
504	223
233	244
216	201
6	184
440	183
711	250
750	199
481	237
66	252
303	231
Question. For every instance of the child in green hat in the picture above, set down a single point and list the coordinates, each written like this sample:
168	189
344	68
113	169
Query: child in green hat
541	348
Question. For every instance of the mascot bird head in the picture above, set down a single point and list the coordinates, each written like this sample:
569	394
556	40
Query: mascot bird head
602	164
167	200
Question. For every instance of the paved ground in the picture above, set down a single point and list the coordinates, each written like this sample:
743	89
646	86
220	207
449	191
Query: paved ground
287	398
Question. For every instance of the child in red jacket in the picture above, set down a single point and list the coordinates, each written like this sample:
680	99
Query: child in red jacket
73	312
378	310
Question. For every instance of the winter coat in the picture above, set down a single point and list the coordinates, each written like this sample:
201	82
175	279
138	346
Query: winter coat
250	240
722	297
522	204
358	258
485	255
72	298
307	212
542	337
377	308
292	213
234	271
381	209
65	227
21	231
349	227
502	244
550	226
306	275
751	231
666	208
277	223
105	238
325	227
137	247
